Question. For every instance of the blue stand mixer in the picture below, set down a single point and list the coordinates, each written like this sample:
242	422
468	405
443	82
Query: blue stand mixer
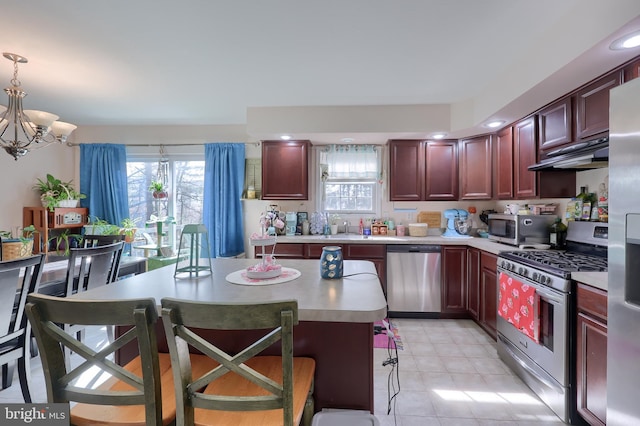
457	224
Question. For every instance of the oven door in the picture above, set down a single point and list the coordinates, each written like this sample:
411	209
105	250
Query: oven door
551	352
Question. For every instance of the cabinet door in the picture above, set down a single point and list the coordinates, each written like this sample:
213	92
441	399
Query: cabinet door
406	170
632	70
524	155
488	294
473	282
454	279
592	369
504	164
376	253
475	168
289	251
555	126
441	170
285	170
592	106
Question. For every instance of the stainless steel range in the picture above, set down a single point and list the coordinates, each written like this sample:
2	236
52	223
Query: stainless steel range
540	354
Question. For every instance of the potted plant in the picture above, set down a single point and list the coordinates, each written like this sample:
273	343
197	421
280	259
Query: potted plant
56	193
65	241
128	228
158	189
99	226
22	246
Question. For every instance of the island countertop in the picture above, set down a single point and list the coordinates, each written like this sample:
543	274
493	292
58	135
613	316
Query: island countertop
356	298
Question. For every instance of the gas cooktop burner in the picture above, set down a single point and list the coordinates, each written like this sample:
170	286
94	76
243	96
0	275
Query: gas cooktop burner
558	261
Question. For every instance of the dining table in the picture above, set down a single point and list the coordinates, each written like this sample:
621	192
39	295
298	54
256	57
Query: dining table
336	316
54	274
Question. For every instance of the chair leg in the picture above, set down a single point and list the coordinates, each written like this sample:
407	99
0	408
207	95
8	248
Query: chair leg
110	333
7	375
24	374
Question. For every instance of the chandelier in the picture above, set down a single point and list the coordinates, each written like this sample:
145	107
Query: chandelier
19	128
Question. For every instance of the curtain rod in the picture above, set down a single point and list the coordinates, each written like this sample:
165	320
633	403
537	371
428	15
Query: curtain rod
166	144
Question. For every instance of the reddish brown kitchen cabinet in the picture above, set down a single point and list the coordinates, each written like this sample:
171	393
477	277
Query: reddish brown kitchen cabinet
285	170
592	106
406	170
591	362
488	313
524	155
475	168
288	251
441	171
503	166
555	126
632	70
454	280
423	170
473	282
376	253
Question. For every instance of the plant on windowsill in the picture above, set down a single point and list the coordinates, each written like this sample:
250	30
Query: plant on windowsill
56	193
99	226
158	189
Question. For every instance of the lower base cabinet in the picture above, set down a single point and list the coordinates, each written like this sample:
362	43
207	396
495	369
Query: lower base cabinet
591	362
454	280
488	313
375	253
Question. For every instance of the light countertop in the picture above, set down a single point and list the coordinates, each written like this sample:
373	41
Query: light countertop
594	279
357	298
477	242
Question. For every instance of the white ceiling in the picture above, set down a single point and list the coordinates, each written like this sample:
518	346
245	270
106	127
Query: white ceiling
205	62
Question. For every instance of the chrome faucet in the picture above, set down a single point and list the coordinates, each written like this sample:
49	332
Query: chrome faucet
346	226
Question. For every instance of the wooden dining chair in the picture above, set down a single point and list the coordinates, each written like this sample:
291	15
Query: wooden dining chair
246	388
89	240
141	392
18	278
89	268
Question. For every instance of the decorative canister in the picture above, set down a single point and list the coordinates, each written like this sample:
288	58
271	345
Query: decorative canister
331	262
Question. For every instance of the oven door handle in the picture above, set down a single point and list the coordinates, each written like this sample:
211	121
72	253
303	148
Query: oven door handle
550	296
526	367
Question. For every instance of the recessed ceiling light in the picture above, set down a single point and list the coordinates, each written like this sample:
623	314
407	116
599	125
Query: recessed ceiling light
285	137
347	140
628	41
494	124
438	135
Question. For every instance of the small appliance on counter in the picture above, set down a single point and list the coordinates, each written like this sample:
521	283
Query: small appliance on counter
517	230
458	225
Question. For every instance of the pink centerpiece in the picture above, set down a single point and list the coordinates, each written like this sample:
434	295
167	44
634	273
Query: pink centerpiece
267	268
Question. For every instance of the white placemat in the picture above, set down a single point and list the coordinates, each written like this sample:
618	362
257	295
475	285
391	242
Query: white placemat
240	277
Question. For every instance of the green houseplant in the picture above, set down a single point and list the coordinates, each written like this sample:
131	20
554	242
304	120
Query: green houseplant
56	193
158	189
128	228
99	226
22	246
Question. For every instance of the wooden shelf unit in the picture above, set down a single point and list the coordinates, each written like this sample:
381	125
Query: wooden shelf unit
44	221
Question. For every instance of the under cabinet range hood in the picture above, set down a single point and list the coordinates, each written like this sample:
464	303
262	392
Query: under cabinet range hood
586	155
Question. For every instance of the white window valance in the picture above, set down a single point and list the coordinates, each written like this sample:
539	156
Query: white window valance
350	162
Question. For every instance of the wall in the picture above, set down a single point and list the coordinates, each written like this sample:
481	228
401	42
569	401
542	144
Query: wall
18	178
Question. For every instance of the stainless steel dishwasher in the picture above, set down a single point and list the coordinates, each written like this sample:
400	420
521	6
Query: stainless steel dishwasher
413	280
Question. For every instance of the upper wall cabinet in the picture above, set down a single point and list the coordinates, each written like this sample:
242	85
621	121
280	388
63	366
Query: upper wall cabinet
503	166
441	171
423	170
524	155
285	170
406	170
592	106
475	168
555	124
632	70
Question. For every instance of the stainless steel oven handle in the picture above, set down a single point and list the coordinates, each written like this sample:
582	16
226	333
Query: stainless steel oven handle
525	366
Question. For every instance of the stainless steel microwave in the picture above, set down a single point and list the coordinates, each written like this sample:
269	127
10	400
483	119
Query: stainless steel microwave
520	229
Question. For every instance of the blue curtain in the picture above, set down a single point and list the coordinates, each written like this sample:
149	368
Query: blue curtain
103	178
222	209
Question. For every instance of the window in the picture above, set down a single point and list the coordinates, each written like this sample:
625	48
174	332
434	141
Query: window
185	182
349	179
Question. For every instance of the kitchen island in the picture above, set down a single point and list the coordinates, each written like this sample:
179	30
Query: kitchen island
336	317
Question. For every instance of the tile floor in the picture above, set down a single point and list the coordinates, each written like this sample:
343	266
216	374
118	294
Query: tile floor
449	374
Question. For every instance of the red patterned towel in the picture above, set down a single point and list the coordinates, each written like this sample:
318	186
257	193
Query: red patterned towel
518	303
